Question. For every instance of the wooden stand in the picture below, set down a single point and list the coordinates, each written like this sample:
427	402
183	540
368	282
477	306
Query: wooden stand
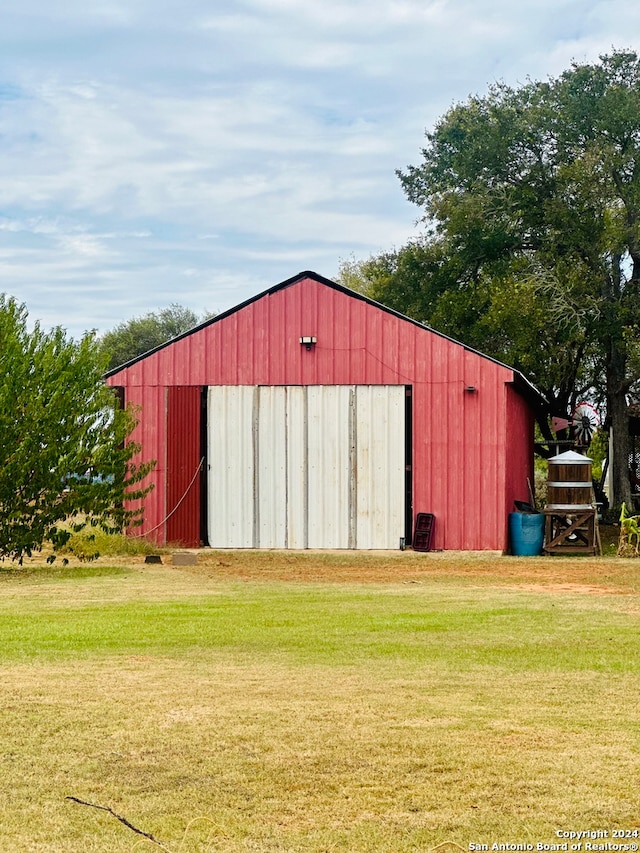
571	531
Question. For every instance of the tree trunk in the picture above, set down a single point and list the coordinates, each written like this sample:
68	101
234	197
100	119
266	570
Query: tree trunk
619	420
620	484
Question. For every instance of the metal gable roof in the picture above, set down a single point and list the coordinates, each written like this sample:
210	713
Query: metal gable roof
522	384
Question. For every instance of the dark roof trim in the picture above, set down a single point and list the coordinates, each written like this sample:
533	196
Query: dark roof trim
224	314
529	391
520	382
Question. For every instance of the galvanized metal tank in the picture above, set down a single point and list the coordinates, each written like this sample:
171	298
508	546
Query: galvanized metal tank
569	485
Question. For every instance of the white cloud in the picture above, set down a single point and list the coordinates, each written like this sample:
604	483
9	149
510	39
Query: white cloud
160	151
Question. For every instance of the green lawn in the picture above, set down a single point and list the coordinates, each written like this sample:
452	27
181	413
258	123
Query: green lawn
241	714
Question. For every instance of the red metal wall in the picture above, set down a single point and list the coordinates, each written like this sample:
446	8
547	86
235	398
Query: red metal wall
520	424
183	480
472	450
149	404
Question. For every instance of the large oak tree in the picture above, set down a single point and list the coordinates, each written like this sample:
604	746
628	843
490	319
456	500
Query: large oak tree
531	203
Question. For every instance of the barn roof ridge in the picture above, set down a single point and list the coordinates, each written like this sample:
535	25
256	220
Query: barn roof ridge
523	384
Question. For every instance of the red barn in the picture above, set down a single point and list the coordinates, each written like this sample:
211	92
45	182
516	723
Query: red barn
313	417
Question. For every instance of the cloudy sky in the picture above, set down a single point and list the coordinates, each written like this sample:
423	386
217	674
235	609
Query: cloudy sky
199	151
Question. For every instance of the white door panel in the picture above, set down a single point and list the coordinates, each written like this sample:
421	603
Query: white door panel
319	466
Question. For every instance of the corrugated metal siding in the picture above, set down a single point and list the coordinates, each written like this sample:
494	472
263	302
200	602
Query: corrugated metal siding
380	463
463	454
519	463
231	466
329	455
272	477
183	465
306	466
297	467
148	403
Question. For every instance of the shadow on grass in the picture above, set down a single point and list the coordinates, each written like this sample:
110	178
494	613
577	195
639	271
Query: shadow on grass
13	571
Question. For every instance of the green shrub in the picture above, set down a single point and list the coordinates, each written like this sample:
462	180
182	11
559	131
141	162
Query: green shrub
92	542
629	534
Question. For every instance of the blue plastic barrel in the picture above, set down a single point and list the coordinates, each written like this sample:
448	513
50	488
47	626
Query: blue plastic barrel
526	533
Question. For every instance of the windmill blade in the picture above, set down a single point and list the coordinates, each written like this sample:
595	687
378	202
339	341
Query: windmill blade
585	420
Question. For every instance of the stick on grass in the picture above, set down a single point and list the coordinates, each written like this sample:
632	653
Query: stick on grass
122	819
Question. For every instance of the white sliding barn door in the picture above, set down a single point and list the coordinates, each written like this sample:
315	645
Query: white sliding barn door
329	468
319	466
380	465
230	451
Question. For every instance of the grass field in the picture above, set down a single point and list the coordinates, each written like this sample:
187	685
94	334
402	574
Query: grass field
319	702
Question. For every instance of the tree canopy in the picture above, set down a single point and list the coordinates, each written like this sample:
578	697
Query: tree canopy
64	454
134	337
531	251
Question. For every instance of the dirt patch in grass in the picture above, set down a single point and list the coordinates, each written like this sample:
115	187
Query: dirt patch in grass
579	574
582	574
581	589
